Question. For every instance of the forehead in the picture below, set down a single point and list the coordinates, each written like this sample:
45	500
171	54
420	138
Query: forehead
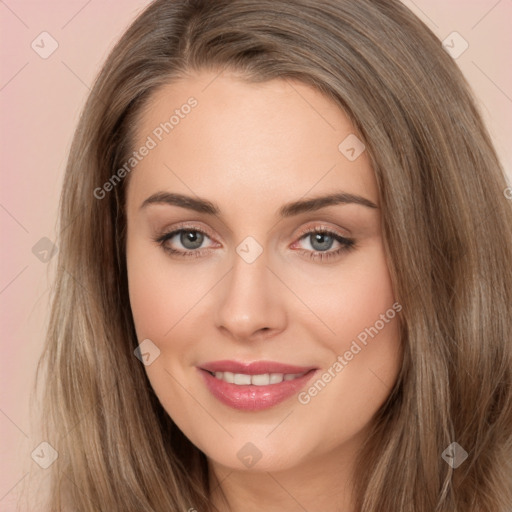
270	142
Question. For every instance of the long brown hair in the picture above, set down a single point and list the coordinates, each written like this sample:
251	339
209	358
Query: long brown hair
447	226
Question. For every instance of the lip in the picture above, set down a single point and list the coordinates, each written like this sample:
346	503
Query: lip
250	397
254	368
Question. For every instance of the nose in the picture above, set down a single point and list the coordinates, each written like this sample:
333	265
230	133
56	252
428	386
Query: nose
251	301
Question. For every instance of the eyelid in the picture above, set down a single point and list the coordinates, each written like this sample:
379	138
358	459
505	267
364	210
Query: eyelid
320	227
190	226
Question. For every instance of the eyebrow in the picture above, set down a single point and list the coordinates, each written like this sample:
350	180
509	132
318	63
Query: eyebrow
288	210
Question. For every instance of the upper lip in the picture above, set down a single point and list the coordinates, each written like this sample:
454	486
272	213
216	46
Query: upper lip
254	368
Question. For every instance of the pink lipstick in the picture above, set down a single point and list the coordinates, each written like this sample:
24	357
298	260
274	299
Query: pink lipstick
254	386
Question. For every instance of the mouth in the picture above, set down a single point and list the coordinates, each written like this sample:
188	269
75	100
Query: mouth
262	379
254	386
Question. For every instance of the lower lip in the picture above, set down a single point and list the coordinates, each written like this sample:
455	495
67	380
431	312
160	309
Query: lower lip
250	397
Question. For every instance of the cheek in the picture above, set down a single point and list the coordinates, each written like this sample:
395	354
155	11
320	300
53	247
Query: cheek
348	299
162	299
359	327
160	294
150	300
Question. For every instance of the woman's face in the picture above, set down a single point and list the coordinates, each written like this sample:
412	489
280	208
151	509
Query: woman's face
301	327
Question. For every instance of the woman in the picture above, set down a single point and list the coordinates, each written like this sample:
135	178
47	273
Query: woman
284	277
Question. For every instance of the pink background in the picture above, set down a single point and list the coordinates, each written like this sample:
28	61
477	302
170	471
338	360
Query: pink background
40	100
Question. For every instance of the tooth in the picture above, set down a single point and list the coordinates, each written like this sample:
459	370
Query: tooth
276	378
261	380
229	377
242	379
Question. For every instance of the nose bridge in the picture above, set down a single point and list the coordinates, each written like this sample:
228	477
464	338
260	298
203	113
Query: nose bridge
250	299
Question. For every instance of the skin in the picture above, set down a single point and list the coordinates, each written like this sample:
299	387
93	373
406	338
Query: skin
251	148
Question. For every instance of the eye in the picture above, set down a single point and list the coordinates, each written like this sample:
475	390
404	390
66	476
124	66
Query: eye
191	239
320	240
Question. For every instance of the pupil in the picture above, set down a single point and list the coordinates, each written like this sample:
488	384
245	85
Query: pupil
325	241
191	239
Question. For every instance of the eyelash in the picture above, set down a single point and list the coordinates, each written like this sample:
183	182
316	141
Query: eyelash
347	244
